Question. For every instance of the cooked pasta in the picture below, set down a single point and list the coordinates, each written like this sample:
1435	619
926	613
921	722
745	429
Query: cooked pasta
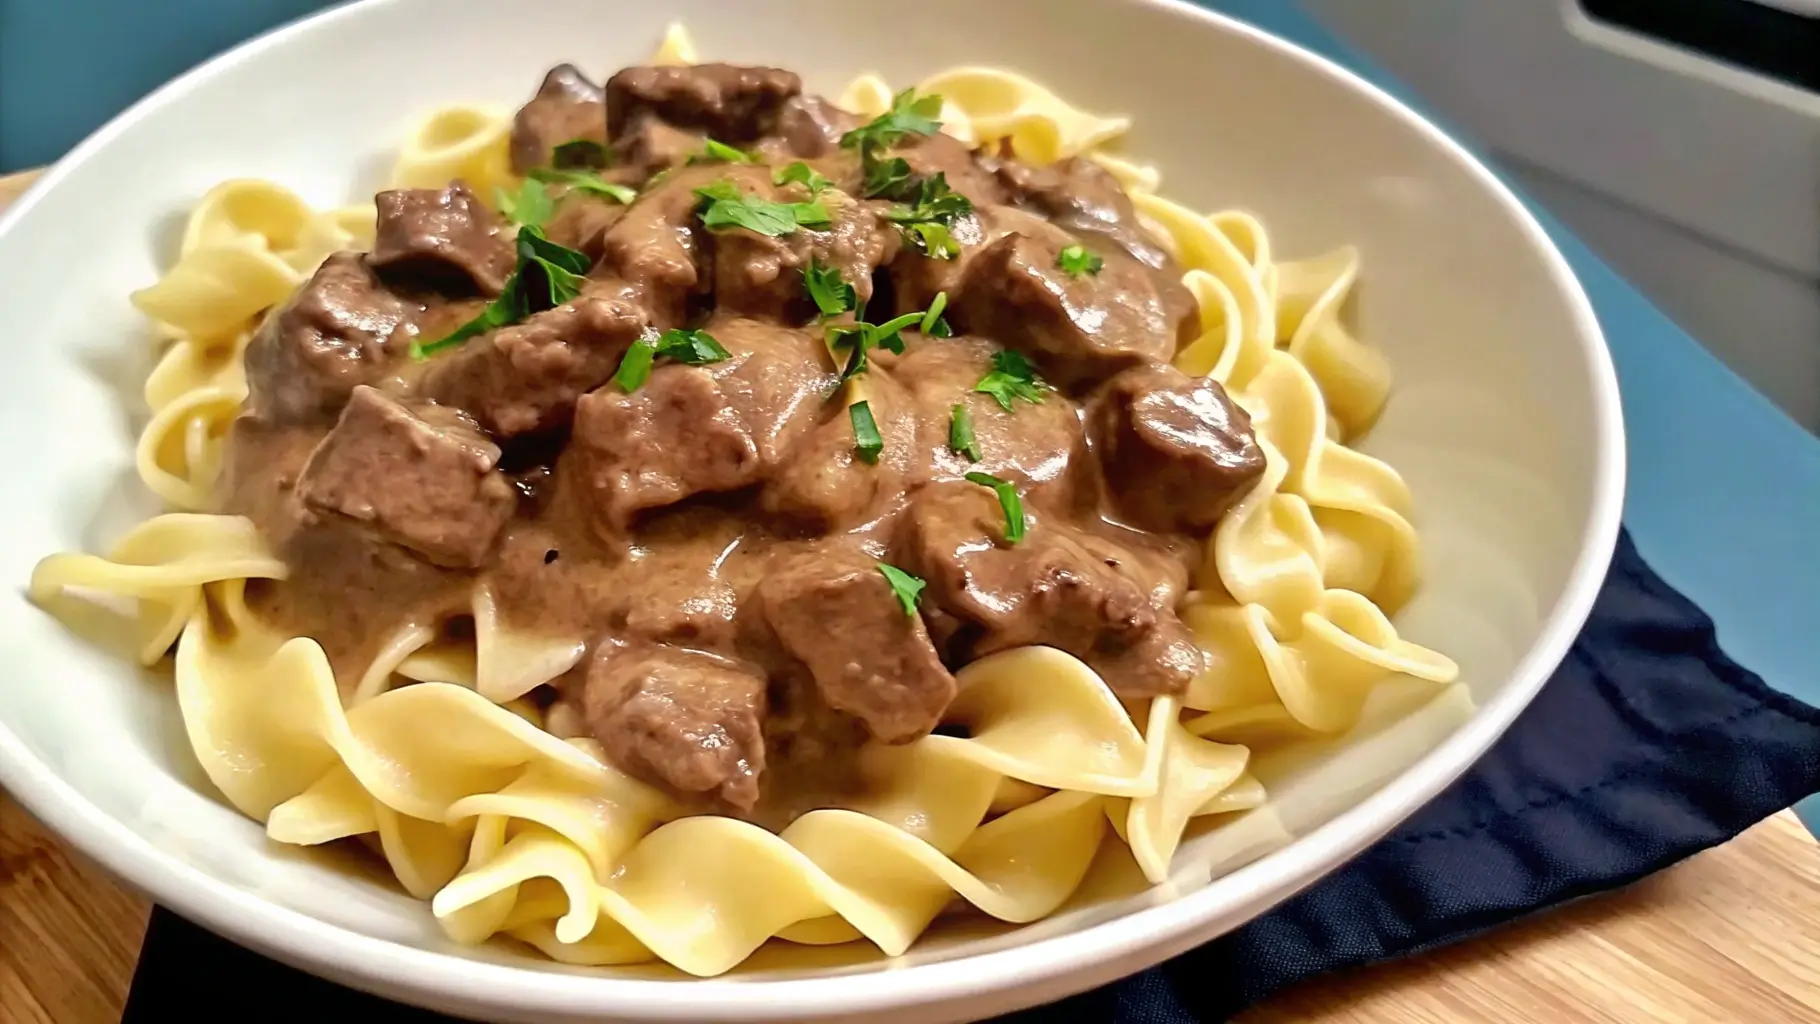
434	742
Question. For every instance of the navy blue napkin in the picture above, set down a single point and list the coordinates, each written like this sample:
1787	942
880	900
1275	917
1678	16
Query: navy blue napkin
1648	745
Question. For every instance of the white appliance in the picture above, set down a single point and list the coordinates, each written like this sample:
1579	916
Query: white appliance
1693	168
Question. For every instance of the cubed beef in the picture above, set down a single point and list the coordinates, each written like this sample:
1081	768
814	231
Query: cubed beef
423	477
1040	447
916	279
1176	451
657	246
527	377
732	104
1058	587
650	146
948	156
341	329
810	127
760	275
1081	197
581	222
826	486
833	610
443	239
1077	329
568	106
684	719
698	429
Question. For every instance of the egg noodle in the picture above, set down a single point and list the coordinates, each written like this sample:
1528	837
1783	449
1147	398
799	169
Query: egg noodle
505	828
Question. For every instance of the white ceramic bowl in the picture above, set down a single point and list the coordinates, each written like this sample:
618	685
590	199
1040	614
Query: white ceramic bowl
1505	422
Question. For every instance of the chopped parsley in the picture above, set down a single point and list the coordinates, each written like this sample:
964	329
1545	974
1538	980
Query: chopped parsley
547	275
960	433
1008	500
905	587
725	206
932	320
801	174
693	348
585	181
580	154
866	440
529	206
1075	260
926	209
910	114
828	290
885	177
719	152
1012	378
862	337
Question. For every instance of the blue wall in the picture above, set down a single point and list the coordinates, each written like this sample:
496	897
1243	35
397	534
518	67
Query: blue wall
66	66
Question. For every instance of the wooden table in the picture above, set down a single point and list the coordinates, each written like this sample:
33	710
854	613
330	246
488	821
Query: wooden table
1732	935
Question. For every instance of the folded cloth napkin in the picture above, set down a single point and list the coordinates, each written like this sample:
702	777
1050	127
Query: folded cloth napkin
1647	745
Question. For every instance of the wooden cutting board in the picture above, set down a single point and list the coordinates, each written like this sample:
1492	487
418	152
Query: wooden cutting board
1732	935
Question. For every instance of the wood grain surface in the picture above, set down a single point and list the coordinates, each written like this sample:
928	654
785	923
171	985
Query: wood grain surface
1732	935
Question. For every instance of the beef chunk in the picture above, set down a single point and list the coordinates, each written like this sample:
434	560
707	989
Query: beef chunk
1058	586
340	330
1076	329
834	611
657	245
948	156
1083	198
1176	451
421	477
825	485
698	429
1039	447
916	278
649	146
732	104
758	275
568	106
445	239
679	718
810	127
581	222
527	377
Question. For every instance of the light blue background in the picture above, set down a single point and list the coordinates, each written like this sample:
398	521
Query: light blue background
1724	496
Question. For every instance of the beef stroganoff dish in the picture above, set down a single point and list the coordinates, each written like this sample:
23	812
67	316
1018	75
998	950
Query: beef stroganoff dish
688	511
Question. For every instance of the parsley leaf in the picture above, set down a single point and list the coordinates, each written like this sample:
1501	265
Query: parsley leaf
530	206
862	337
1075	260
585	181
885	177
1008	500
910	114
960	433
802	174
580	154
692	348
547	275
1012	378
866	440
830	292
725	206
905	587
932	240
927	208
719	152
932	318
696	348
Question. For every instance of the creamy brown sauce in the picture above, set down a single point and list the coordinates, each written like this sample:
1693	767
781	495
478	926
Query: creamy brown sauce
713	537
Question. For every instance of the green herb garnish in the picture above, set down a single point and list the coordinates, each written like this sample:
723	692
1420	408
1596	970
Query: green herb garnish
905	587
960	433
802	174
693	348
909	114
829	291
866	440
927	208
580	154
885	177
1008	500
725	206
529	206
547	275
1075	260
1012	378
585	181
719	152
863	337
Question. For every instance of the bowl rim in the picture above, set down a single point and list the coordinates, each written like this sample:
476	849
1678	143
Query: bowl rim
1074	961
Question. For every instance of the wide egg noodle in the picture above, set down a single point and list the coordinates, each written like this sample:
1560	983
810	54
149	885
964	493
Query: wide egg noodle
434	759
